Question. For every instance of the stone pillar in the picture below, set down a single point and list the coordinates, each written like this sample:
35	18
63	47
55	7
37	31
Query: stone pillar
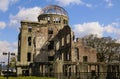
58	69
43	70
62	56
119	71
103	68
19	71
73	72
89	68
83	68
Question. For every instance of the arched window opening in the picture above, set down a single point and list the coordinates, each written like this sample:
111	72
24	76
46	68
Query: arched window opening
29	29
68	38
77	53
50	30
51	45
48	19
29	40
56	20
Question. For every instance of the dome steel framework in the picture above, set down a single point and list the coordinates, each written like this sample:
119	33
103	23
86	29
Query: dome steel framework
54	9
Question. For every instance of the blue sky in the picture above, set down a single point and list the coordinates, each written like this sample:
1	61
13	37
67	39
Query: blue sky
101	17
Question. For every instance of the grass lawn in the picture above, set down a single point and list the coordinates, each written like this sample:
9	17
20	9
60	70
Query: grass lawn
27	77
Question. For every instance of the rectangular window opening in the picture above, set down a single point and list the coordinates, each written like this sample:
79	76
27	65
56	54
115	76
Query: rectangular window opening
77	53
51	45
85	58
50	30
29	29
28	56
29	41
50	58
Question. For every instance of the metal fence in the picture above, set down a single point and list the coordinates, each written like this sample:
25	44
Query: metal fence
81	75
84	75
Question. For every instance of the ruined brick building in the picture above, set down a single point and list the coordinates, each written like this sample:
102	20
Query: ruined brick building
47	46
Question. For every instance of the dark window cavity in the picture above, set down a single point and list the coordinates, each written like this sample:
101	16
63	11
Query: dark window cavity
29	41
85	58
77	53
28	56
51	45
29	29
50	30
50	58
48	19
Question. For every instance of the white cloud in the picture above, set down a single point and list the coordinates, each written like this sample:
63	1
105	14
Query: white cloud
113	28
109	3
5	46
88	5
13	1
2	25
109	29
88	28
68	2
4	4
29	14
96	28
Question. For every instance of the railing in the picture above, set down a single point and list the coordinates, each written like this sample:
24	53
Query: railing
83	75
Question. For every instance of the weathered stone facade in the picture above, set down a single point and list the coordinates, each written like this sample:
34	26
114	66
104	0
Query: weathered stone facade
48	46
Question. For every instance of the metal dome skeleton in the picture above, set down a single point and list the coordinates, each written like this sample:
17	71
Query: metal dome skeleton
54	9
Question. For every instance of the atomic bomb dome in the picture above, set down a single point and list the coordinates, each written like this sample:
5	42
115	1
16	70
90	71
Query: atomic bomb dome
47	48
54	9
53	14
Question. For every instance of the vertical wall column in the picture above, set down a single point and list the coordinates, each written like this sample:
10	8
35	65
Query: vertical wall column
119	70
102	69
42	70
19	71
58	69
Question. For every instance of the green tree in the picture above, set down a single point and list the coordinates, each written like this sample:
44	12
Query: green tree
12	62
106	47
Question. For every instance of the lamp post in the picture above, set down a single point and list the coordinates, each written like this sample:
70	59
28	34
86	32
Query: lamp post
4	53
